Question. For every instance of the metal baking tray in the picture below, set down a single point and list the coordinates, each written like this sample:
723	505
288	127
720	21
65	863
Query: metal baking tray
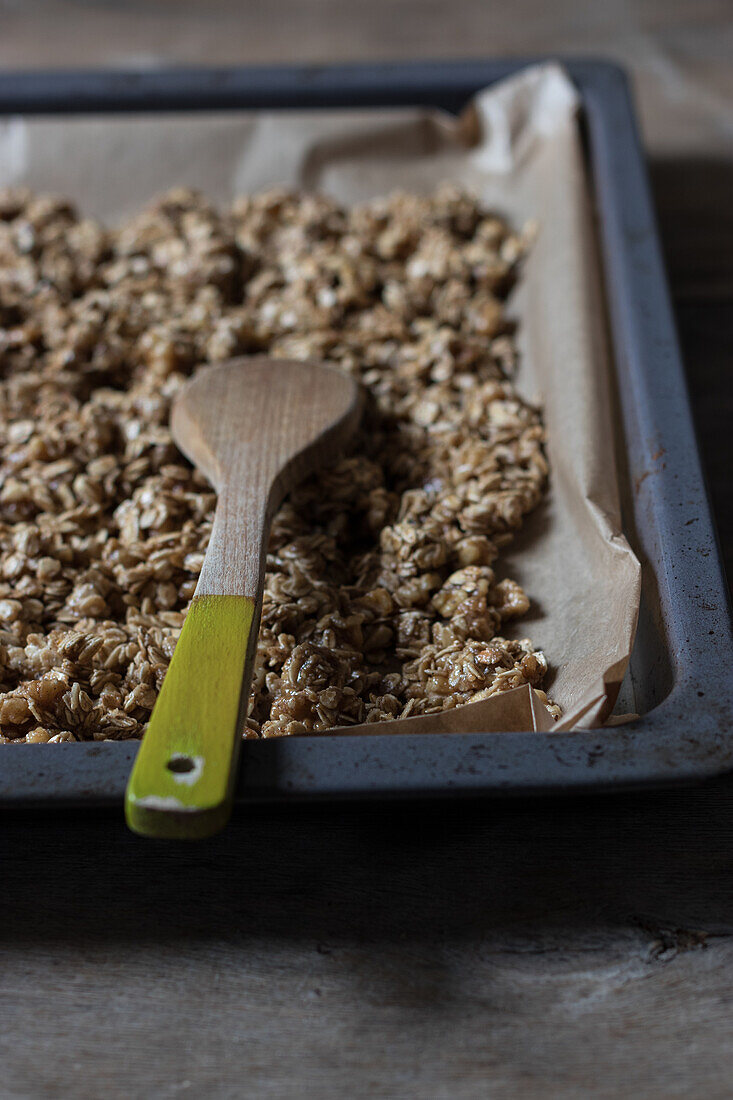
680	678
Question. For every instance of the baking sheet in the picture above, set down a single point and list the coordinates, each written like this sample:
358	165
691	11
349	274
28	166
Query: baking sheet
518	147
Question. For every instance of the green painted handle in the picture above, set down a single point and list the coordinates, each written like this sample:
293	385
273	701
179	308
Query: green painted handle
182	781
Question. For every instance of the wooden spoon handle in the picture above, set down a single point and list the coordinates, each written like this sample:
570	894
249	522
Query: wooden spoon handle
183	777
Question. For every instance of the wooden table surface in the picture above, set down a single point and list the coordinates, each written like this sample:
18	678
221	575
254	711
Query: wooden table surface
514	950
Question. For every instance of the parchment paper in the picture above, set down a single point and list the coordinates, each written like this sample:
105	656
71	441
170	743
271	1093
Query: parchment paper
518	147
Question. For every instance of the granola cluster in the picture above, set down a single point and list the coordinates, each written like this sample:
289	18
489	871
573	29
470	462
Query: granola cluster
381	596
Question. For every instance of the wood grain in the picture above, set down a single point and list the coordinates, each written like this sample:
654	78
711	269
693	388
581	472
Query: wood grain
255	426
559	949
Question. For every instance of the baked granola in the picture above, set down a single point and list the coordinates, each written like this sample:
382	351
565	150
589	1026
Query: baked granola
381	598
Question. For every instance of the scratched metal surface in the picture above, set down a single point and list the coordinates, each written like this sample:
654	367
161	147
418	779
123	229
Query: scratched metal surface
685	622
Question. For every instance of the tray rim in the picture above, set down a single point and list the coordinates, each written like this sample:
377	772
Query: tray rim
646	358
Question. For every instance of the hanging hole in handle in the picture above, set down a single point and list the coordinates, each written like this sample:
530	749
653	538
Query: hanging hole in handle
180	764
186	769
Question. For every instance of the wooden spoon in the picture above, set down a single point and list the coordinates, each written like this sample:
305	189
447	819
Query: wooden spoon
254	427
